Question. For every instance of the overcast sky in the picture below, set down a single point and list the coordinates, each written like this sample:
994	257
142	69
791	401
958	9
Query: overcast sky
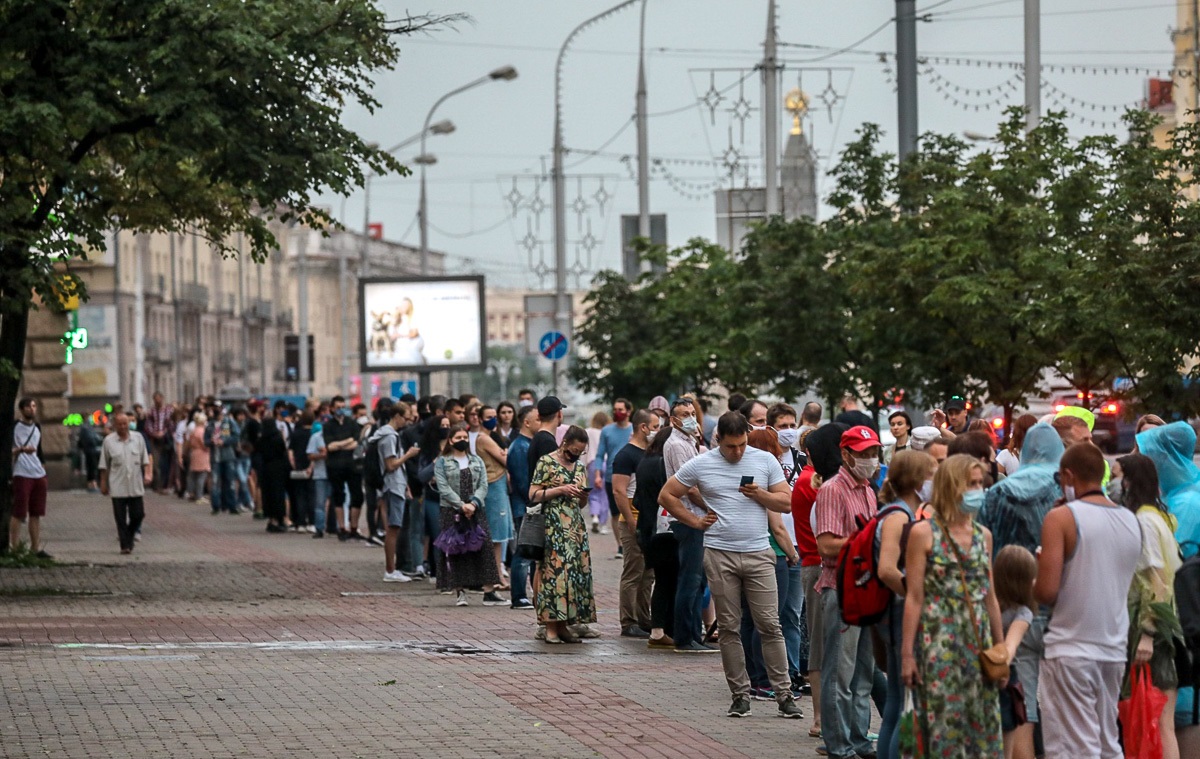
505	129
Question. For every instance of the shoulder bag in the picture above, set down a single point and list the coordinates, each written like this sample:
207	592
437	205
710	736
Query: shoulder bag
993	662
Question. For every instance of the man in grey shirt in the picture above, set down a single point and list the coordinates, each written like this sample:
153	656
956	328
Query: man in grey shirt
124	474
395	484
739	486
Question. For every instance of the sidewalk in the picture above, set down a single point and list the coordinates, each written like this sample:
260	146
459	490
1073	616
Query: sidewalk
217	639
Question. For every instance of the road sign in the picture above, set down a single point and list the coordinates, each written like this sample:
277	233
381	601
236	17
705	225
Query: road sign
553	346
403	387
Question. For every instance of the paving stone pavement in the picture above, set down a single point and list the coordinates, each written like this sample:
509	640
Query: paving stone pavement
216	639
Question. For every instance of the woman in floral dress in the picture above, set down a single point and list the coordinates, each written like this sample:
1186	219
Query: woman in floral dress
565	595
957	710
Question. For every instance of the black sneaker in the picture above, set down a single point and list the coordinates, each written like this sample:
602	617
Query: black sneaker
343	536
492	598
633	631
319	534
740	707
789	709
522	603
43	555
374	541
695	647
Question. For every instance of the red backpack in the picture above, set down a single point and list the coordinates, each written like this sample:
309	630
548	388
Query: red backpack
862	597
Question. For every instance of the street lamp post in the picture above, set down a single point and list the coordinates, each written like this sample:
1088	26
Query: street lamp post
500	367
562	312
502	74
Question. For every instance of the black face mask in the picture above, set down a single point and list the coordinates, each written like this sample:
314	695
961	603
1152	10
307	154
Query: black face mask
462	445
572	457
443	432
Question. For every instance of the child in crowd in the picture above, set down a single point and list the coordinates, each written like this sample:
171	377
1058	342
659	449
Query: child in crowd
1015	570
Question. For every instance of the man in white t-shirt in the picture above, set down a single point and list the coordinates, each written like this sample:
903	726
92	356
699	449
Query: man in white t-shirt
738	486
28	478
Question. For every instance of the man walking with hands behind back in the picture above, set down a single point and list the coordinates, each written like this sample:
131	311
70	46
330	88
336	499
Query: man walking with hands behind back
739	486
124	475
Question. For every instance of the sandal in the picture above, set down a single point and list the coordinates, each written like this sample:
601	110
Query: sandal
814	732
568	637
552	641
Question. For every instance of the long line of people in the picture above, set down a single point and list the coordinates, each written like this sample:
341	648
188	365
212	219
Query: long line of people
1040	558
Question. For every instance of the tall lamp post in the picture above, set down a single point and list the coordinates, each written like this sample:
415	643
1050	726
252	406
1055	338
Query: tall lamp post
502	74
442	127
562	312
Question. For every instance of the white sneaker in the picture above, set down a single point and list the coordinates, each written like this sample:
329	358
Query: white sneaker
603	530
462	598
396	576
311	528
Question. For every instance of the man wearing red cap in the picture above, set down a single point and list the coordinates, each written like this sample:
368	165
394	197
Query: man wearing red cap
847	666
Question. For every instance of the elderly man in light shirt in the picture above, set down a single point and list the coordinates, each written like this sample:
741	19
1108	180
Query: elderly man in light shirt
124	474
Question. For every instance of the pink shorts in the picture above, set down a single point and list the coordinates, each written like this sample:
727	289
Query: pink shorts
29	497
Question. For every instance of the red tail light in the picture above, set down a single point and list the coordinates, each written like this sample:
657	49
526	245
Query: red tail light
1112	408
1059	407
998	422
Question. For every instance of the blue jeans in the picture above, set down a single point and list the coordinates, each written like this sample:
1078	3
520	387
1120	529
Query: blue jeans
847	668
433	522
243	477
756	668
891	629
222	492
689	624
791	604
518	569
320	494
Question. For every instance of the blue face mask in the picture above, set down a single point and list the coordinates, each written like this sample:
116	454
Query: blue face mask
490	424
972	502
343	412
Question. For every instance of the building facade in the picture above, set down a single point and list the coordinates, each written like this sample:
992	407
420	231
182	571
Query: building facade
169	313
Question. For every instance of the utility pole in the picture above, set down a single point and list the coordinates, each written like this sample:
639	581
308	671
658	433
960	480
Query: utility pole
302	305
1033	64
139	322
178	326
643	137
1195	55
344	382
906	75
770	69
364	264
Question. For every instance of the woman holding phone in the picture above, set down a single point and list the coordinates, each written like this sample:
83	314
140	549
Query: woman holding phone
564	597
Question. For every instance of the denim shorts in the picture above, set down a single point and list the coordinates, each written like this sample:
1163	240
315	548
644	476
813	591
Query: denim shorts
395	510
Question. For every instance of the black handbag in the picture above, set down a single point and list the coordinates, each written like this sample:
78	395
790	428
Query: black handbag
531	541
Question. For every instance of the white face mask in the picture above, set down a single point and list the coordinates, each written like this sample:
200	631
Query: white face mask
1069	492
650	436
925	493
525	403
864	469
688	424
788	438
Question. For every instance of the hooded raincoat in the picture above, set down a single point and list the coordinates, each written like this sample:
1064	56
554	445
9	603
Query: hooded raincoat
1014	508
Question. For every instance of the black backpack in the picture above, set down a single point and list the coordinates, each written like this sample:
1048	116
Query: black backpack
1187	602
373	469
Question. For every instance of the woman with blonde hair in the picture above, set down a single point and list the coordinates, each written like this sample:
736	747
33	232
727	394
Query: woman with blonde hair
901	496
597	499
951	616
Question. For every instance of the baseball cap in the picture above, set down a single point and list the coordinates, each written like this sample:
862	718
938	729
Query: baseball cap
1079	413
549	405
860	438
956	403
921	437
254	404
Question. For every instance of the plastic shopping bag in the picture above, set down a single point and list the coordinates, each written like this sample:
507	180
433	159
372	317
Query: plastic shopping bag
1139	716
912	740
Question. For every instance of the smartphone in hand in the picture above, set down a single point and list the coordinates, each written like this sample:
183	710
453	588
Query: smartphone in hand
747	479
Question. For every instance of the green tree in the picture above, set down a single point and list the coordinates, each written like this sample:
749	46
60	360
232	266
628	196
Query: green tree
220	116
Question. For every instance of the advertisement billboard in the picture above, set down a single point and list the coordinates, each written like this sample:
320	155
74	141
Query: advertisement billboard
421	324
92	372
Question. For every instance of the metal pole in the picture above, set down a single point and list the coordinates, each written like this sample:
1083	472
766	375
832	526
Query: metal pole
178	326
562	315
364	264
139	324
771	114
906	75
1195	54
344	382
302	304
199	316
1033	64
643	137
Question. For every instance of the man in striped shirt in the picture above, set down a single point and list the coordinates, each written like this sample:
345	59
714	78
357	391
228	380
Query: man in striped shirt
847	665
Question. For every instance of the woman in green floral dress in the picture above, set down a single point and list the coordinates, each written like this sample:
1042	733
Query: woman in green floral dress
565	595
958	711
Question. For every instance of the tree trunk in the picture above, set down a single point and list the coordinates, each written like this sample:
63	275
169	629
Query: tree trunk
13	327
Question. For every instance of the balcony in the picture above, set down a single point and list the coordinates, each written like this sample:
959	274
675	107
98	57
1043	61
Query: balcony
193	295
259	309
158	351
284	319
226	361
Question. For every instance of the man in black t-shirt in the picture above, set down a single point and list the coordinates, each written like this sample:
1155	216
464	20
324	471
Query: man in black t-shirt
341	438
637	580
550	416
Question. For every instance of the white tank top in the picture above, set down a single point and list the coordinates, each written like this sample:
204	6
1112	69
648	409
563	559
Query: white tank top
1091	617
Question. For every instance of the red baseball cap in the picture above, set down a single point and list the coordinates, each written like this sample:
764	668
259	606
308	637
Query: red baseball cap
860	438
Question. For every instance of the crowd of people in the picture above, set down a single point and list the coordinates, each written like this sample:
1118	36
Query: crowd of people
1022	582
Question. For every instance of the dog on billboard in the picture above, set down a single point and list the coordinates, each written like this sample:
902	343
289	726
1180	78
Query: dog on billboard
381	340
406	344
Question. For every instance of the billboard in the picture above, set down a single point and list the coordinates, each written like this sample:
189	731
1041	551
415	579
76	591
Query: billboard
93	372
421	324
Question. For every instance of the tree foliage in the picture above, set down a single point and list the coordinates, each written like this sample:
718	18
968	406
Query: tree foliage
215	116
960	270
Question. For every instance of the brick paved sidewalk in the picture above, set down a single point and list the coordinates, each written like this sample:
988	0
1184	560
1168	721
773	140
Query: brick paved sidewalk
217	639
